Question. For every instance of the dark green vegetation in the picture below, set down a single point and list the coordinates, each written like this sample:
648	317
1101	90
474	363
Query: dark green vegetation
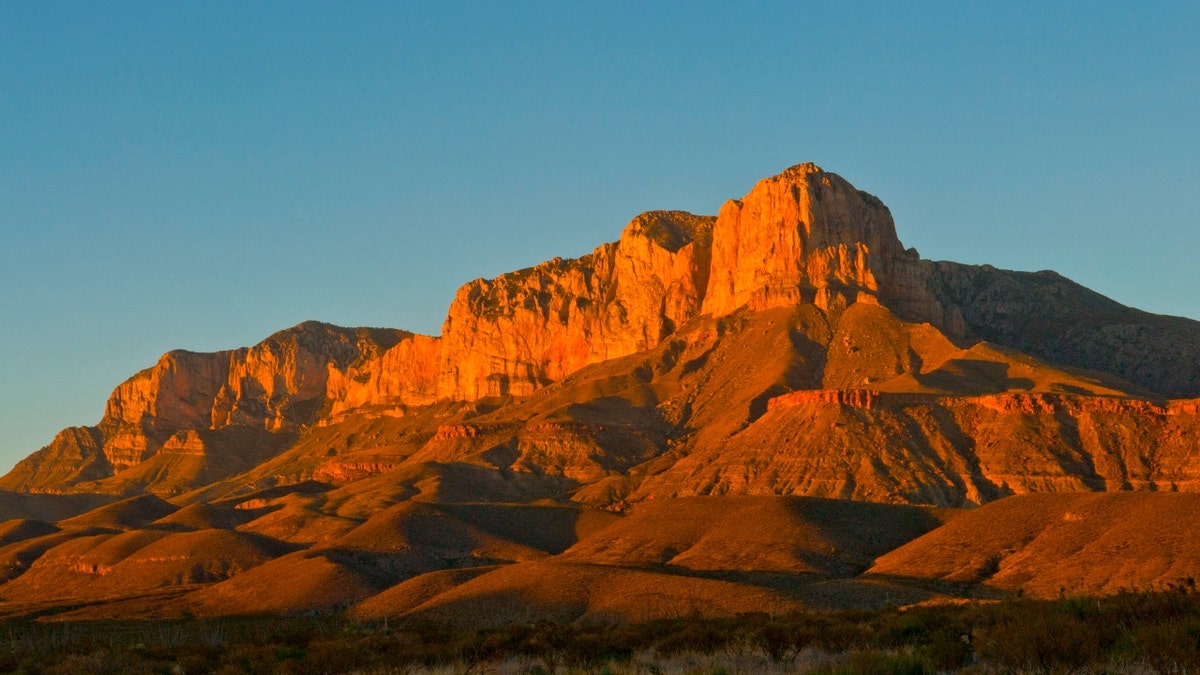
1128	632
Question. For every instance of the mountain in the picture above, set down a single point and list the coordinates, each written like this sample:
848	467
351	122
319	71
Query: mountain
788	349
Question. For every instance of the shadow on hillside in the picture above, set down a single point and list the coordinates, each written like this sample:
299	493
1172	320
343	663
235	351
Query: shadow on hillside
552	529
974	376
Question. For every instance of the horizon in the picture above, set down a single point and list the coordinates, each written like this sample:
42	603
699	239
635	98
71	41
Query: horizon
199	177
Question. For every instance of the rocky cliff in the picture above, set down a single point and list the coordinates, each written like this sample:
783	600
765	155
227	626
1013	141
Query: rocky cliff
804	236
521	331
277	386
803	239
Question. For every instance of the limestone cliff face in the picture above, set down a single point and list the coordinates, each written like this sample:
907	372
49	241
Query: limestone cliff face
804	236
403	375
278	385
521	331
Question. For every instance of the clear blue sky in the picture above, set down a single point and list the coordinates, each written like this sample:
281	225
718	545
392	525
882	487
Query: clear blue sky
200	174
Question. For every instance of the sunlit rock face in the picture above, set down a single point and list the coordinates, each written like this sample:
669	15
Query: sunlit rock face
707	376
404	374
809	236
802	236
520	331
804	239
278	385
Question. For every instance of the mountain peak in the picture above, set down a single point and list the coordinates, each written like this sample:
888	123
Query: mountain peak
797	171
804	235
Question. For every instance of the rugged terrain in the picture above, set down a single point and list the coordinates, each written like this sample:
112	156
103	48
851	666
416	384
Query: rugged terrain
775	407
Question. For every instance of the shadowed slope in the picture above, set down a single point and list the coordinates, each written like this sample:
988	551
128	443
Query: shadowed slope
408	595
48	507
765	534
561	591
1053	318
683	557
127	514
205	516
12	531
404	541
296	583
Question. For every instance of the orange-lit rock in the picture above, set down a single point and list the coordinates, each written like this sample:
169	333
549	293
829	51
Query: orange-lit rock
521	331
802	236
404	374
278	385
789	346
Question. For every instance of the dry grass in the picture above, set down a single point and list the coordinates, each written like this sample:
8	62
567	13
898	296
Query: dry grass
1128	633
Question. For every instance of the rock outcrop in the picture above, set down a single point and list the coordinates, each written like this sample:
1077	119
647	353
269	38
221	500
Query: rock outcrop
949	451
278	385
402	375
521	331
804	236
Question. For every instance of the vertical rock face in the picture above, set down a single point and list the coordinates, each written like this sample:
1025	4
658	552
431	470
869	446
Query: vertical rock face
405	374
802	236
808	236
277	385
523	330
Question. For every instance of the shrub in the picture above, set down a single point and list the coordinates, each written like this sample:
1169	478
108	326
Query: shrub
1043	638
782	641
949	648
876	662
1170	646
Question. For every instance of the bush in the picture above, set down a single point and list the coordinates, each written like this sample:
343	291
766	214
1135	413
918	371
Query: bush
875	662
1040	637
1157	631
782	641
1169	646
949	648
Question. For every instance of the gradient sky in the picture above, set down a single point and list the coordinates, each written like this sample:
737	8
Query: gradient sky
198	175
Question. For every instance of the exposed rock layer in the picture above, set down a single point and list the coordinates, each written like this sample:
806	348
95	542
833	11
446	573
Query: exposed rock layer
805	238
788	346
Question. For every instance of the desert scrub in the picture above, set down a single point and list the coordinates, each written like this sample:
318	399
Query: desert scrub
1129	632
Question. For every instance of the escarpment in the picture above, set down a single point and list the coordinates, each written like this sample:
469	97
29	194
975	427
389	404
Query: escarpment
664	311
772	395
276	387
523	330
